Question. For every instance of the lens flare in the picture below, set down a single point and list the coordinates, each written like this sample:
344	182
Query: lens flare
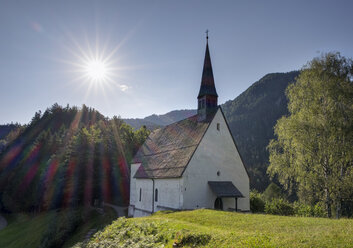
96	70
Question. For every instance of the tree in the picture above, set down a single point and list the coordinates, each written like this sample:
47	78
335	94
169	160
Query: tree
273	191
313	151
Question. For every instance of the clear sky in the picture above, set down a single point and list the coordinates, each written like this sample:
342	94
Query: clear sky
154	50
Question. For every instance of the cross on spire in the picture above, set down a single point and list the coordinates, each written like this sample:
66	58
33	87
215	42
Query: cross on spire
206	34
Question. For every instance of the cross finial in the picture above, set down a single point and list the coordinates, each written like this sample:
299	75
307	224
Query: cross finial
206	34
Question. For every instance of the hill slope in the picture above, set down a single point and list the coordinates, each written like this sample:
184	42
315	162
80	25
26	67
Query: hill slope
211	228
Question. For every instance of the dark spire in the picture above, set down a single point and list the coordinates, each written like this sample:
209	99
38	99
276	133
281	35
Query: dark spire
207	81
207	98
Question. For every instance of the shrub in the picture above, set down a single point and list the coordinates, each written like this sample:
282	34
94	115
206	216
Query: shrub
273	191
279	207
319	210
125	234
309	211
303	209
257	205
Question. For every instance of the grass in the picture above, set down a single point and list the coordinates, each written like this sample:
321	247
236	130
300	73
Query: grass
210	228
25	230
96	221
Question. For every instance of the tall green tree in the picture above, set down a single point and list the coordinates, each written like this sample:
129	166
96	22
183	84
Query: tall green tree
313	153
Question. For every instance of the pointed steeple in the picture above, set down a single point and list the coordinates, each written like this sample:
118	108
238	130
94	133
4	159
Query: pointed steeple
207	81
207	98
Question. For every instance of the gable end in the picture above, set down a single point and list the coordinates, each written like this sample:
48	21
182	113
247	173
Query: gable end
235	144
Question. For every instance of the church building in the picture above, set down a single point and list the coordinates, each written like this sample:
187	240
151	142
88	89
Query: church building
193	163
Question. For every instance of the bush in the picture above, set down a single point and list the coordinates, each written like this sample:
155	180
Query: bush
273	191
257	205
303	209
319	210
279	207
126	234
309	211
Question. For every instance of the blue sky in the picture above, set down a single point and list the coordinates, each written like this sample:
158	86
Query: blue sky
156	50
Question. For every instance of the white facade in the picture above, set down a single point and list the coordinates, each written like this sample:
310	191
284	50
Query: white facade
216	153
215	159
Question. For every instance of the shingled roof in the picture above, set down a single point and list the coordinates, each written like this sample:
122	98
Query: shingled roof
224	189
167	151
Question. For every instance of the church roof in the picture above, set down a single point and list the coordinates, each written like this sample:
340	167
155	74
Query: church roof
224	189
167	151
207	81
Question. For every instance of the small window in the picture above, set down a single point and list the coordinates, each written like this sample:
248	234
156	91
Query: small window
218	126
156	195
218	173
140	194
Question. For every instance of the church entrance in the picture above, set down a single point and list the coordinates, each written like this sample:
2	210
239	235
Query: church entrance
218	204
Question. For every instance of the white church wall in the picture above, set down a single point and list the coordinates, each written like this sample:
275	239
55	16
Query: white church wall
134	168
139	207
169	194
143	205
216	152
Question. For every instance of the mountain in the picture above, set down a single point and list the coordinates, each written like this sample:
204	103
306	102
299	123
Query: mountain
251	117
155	121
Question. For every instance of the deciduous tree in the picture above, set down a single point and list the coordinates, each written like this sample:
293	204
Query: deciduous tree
313	150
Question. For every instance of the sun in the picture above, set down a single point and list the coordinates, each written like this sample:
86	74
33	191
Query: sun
96	70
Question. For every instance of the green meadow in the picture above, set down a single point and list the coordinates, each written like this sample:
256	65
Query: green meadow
210	228
198	228
52	229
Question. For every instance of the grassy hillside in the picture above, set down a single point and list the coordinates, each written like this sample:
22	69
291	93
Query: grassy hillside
210	228
52	229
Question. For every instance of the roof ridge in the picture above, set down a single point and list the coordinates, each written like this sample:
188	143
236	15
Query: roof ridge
183	147
178	121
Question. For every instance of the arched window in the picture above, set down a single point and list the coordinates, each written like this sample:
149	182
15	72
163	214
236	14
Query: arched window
156	195
140	194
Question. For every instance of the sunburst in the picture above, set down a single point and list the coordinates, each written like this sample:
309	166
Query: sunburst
96	70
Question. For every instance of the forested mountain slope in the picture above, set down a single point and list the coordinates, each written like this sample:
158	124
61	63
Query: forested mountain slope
252	116
8	133
68	157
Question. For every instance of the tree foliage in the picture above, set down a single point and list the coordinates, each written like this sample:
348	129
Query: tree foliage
68	157
313	153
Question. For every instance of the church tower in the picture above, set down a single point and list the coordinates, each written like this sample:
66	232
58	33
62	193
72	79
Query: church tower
207	98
